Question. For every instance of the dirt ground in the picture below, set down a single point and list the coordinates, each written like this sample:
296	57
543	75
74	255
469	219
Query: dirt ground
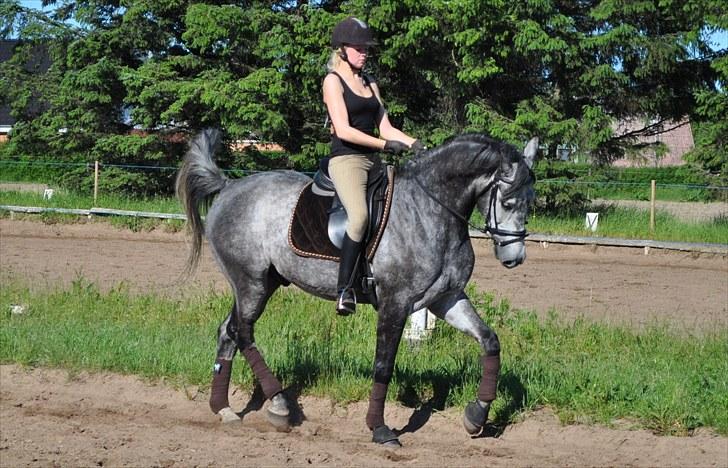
53	418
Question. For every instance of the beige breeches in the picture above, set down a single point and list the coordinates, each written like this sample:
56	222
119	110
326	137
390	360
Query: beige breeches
349	174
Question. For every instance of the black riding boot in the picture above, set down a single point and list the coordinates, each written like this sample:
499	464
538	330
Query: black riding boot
350	250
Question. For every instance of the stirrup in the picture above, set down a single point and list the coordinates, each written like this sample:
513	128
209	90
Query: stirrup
346	304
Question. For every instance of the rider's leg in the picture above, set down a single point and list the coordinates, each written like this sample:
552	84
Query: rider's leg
350	252
349	174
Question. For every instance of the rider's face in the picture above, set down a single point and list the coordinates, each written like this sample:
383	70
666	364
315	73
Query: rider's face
356	54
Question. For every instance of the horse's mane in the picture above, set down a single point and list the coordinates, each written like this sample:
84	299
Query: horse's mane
470	150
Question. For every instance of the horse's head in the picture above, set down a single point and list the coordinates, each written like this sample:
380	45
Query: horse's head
505	206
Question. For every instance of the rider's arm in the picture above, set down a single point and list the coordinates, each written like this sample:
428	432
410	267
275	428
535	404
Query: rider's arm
386	129
334	100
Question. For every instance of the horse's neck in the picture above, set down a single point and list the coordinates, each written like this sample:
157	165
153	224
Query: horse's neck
445	186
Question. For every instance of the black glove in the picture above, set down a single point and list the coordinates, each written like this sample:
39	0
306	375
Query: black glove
417	146
395	147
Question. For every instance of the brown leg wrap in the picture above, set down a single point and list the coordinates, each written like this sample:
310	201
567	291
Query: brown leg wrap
220	384
268	382
489	380
375	413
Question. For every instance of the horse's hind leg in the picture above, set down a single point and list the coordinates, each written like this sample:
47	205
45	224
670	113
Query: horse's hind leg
251	298
460	313
226	348
236	332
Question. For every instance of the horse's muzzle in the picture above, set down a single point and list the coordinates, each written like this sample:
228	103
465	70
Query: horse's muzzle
512	263
511	255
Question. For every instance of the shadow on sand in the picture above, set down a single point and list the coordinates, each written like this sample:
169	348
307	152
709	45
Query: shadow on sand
510	389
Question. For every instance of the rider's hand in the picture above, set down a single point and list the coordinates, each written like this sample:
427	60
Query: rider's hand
395	147
417	146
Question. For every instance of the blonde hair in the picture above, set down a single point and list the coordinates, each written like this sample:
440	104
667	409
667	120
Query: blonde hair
334	60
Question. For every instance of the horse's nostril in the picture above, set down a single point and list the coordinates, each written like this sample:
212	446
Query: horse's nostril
510	263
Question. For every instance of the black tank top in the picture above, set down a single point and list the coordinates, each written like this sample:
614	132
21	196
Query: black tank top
363	113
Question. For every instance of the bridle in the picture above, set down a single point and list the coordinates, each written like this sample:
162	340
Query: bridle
492	231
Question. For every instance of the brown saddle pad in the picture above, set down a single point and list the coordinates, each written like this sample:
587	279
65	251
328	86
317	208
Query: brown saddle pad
308	230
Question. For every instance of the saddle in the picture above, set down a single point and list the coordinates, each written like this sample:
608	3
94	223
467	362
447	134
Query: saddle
318	223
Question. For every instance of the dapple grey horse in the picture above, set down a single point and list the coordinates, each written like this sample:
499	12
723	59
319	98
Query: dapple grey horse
424	259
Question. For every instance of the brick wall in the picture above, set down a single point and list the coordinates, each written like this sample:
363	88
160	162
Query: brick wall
679	140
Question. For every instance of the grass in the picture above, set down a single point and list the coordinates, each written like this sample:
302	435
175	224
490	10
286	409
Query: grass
630	223
66	199
669	382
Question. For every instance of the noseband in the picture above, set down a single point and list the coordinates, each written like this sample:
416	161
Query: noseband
516	236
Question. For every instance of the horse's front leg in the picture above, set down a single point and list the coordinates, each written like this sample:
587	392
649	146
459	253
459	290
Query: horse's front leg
457	310
389	332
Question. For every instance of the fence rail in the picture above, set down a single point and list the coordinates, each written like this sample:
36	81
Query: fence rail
91	212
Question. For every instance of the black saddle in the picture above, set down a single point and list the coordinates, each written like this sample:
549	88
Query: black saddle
377	183
318	223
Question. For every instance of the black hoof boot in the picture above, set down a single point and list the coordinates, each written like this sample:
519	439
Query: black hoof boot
346	304
384	436
475	416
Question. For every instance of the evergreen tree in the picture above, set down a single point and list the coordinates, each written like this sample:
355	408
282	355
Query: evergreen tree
710	116
564	70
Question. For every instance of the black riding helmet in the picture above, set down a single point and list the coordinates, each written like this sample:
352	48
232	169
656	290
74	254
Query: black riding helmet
352	31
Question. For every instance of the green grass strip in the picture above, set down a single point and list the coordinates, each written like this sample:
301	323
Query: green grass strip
66	199
656	378
630	223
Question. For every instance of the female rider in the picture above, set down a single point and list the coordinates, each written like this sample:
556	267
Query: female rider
355	109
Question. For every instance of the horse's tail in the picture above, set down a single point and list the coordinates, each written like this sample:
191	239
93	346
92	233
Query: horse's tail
198	181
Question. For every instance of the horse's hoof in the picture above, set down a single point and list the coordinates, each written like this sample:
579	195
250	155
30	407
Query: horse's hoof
475	417
383	435
279	414
281	423
228	416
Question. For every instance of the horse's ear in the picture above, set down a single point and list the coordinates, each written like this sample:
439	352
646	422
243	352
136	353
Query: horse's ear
529	153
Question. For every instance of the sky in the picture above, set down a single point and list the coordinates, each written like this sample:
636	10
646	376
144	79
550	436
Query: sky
719	39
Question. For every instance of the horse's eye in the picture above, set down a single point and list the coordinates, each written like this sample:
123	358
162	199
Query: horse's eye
508	204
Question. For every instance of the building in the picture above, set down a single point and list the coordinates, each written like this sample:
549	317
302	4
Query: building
676	136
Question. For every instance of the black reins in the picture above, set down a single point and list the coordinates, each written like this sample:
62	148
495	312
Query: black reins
517	236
